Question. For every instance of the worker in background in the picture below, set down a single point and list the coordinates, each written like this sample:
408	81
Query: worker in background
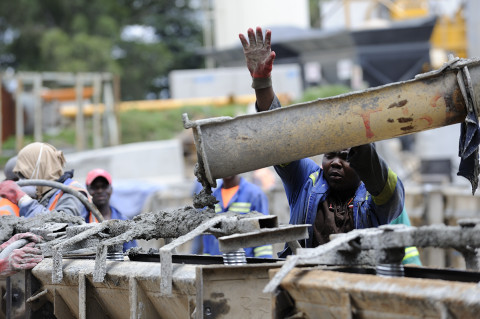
6	206
236	195
16	256
99	186
353	189
42	161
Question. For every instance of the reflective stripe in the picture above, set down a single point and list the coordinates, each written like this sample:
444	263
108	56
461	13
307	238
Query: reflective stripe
314	177
236	207
243	204
242	207
263	250
54	203
283	165
388	190
239	210
92	219
411	252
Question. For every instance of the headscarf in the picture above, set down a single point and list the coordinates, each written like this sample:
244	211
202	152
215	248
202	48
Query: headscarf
40	161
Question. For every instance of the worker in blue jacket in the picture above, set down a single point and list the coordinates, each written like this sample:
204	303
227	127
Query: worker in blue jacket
353	189
236	195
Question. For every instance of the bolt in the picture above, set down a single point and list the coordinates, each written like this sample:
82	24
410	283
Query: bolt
208	311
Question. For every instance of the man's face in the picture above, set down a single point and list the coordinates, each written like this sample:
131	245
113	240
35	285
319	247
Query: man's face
100	190
337	171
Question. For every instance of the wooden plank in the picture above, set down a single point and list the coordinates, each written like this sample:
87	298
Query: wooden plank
66	94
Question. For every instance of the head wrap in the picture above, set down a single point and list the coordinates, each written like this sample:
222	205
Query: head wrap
40	161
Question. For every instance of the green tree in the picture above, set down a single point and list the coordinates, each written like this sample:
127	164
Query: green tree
86	36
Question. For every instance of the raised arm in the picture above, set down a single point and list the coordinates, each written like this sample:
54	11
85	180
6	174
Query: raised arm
259	57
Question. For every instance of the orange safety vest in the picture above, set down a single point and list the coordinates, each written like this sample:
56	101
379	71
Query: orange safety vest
76	186
8	208
91	218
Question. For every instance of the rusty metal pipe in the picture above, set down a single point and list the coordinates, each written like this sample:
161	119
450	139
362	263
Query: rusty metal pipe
228	146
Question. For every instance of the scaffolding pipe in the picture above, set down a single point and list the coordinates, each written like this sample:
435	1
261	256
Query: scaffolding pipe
228	146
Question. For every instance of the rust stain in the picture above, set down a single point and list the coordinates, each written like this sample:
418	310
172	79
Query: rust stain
407	128
398	104
366	122
433	103
405	111
390	121
404	119
428	119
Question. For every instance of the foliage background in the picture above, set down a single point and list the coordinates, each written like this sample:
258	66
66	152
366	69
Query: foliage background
88	36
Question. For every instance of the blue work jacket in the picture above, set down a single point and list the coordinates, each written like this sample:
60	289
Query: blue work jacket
249	197
306	188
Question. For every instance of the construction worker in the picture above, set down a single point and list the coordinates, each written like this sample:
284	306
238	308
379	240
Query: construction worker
6	206
16	256
353	189
99	186
43	161
235	194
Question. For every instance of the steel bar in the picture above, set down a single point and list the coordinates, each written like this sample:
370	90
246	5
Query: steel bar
263	236
227	146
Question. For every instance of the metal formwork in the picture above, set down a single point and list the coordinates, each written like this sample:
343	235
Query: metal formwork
131	289
317	293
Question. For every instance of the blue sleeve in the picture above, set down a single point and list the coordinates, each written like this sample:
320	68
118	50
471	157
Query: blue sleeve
33	208
412	255
381	182
294	175
129	244
210	245
260	202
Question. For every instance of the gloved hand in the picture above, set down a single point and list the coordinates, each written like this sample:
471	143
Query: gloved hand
28	236
26	257
258	53
11	191
22	258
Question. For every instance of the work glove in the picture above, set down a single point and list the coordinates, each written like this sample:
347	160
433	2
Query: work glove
11	191
259	57
21	258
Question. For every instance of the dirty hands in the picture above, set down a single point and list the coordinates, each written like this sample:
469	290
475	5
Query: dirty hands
14	257
11	191
258	53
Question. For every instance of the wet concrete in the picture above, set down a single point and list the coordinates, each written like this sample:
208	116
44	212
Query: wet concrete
11	225
204	198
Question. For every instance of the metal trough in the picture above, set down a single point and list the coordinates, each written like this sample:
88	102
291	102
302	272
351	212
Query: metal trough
227	146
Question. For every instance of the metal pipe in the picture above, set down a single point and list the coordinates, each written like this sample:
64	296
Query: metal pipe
40	182
15	245
228	146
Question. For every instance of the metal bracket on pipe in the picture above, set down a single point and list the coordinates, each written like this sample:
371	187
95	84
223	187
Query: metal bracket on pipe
166	252
58	249
100	263
190	124
451	64
264	236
